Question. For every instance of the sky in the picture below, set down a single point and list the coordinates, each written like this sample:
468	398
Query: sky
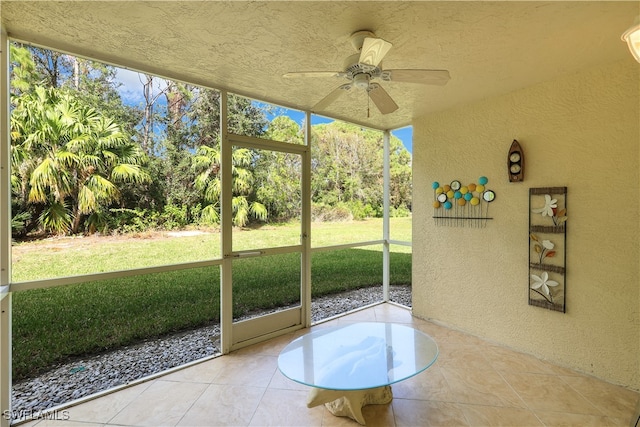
131	93
404	134
131	86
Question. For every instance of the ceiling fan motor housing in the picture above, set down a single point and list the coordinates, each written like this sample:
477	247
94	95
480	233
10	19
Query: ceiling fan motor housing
357	38
352	68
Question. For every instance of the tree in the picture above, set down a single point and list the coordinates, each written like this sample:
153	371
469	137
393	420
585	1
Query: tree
347	169
179	141
176	151
23	70
347	164
400	191
244	118
278	175
53	67
207	161
68	160
95	83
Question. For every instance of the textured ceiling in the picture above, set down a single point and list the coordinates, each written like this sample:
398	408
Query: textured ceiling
489	48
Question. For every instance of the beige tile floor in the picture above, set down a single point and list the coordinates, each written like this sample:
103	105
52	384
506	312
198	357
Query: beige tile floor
473	383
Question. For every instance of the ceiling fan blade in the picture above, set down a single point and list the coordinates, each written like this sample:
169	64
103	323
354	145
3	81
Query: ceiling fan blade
427	77
373	50
335	94
313	74
381	98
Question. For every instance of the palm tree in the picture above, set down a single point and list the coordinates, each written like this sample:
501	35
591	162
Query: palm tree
67	159
207	163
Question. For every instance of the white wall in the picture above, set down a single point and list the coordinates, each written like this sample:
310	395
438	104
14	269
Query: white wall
583	132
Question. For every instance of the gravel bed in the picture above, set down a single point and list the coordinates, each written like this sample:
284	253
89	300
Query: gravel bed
90	375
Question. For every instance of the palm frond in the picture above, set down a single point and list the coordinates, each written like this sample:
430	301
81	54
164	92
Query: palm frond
109	156
67	158
242	157
103	189
259	211
212	192
242	181
210	214
240	206
202	180
97	221
18	155
56	217
44	176
129	173
87	202
15	183
91	161
130	154
68	113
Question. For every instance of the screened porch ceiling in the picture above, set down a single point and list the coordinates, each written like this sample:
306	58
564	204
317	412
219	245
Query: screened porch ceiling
489	48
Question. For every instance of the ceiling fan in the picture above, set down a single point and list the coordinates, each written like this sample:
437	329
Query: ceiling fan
364	67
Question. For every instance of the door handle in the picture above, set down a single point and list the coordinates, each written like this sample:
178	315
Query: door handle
244	254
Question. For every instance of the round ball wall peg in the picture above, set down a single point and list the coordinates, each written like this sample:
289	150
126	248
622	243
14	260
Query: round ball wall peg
489	196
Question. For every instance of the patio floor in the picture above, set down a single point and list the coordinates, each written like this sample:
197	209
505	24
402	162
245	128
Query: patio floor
473	383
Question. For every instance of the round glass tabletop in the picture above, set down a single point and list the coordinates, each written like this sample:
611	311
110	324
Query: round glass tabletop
357	356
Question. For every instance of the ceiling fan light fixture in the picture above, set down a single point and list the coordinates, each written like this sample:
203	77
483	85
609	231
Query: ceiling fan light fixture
361	81
632	38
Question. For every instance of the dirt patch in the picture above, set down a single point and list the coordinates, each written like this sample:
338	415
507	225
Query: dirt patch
185	233
65	242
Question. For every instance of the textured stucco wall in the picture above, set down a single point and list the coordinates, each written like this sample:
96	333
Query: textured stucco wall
582	132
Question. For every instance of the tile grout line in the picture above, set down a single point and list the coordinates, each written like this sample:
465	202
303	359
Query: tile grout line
529	408
130	400
194	400
560	377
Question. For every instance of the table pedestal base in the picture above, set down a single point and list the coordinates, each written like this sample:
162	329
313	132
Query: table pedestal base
349	403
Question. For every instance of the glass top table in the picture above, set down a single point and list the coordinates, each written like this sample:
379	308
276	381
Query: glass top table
357	356
354	365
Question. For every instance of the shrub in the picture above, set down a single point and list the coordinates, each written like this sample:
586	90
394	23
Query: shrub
325	213
174	217
124	220
400	212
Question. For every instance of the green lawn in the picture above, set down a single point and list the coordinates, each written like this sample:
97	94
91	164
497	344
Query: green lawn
53	324
62	257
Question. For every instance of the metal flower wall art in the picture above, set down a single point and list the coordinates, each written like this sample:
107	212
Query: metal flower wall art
543	248
550	209
547	247
541	285
460	205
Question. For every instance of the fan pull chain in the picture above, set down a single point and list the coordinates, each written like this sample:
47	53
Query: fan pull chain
368	103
